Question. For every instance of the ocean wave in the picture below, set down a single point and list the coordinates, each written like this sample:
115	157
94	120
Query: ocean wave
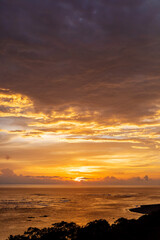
14	204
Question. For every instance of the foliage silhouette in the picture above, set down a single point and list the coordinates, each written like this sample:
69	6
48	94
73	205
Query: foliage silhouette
146	227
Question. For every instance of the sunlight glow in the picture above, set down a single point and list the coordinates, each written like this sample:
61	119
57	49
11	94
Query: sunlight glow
79	179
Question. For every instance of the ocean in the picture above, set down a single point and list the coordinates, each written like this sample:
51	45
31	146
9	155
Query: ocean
39	206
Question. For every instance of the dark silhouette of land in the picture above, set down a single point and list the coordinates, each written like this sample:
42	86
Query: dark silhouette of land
147	227
146	209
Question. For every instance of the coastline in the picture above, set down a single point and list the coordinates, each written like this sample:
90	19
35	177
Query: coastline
146	209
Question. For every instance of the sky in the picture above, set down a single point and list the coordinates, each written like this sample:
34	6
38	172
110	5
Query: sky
80	91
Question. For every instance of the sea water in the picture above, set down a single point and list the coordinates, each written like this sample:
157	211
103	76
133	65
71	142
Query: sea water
23	207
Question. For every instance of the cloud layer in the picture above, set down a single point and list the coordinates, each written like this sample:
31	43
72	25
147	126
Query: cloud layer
80	86
93	55
7	176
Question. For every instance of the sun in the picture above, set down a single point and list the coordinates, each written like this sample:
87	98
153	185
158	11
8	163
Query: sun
79	179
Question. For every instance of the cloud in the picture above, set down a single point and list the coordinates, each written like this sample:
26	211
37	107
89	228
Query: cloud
94	55
138	181
7	157
7	176
7	172
19	118
80	75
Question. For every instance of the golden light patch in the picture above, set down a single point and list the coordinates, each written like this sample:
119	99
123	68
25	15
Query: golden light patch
140	147
83	169
16	101
79	179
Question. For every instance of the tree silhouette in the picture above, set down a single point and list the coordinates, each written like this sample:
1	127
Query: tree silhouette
146	227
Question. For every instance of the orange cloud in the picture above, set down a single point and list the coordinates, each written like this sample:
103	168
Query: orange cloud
135	146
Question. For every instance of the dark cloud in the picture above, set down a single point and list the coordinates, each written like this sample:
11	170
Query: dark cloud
8	176
130	181
101	55
7	157
7	172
